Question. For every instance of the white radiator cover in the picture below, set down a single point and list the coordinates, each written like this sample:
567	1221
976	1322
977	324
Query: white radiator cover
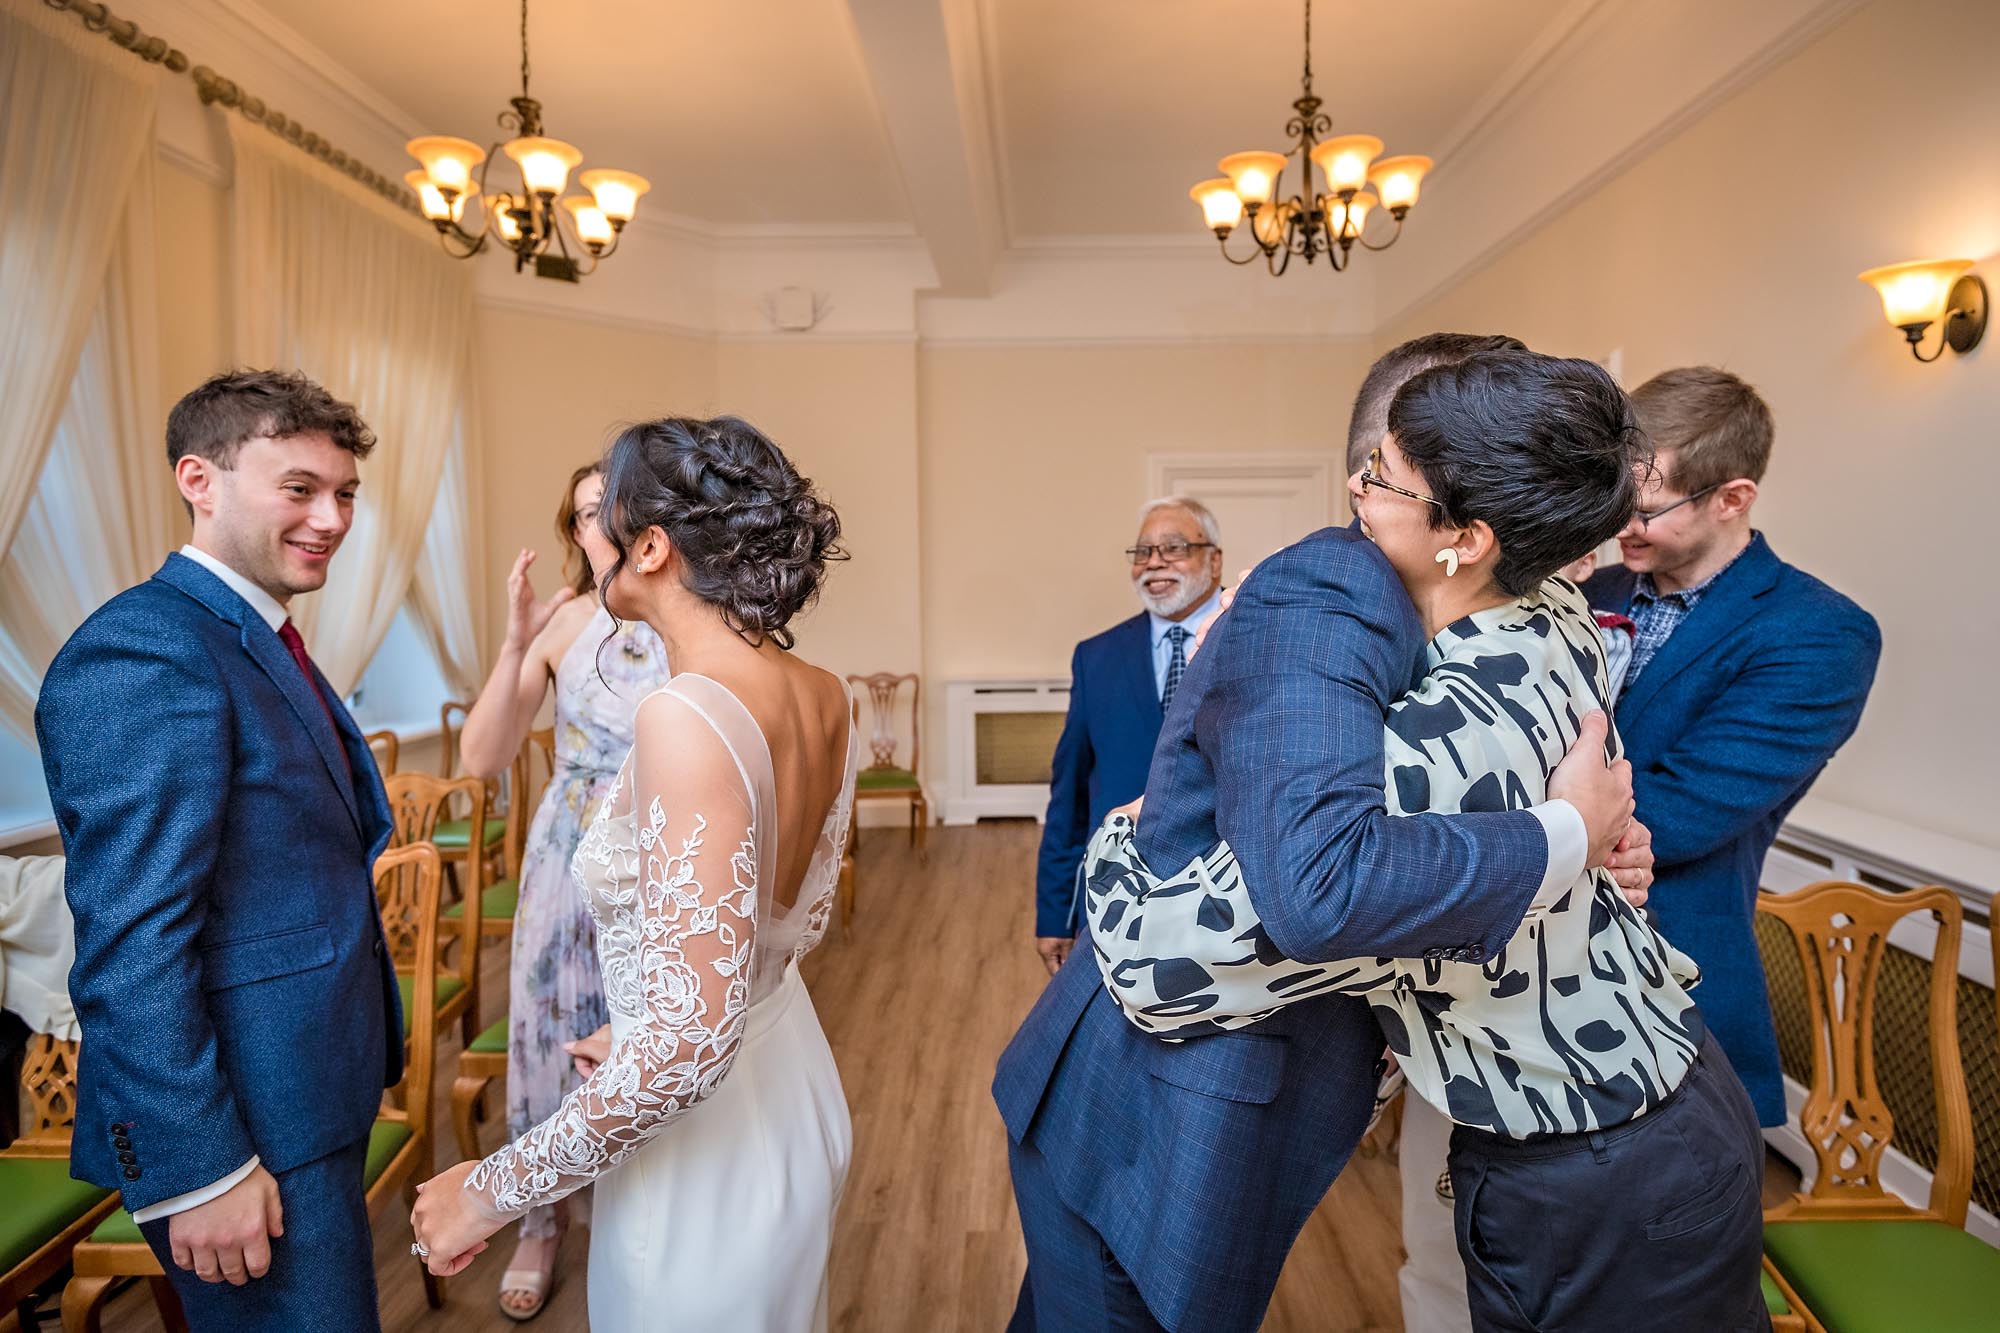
967	799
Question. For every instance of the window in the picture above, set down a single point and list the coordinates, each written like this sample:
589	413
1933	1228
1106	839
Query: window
402	688
24	798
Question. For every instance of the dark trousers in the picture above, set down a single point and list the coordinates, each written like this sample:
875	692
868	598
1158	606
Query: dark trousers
1653	1226
322	1277
1073	1283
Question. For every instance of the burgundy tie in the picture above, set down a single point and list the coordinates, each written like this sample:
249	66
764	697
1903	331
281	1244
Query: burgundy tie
290	635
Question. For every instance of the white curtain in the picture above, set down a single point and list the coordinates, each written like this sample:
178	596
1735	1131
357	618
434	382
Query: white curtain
103	511
445	600
334	281
76	119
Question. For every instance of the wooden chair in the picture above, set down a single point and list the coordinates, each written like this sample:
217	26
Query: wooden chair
525	781
47	1214
417	802
484	1058
1846	1254
453	833
407	886
384	746
883	779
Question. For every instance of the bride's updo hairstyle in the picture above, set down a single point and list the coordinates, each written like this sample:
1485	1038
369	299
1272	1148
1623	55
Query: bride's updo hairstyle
753	537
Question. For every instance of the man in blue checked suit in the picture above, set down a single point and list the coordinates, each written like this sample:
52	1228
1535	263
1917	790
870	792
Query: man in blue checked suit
1162	1184
1120	684
221	813
1747	674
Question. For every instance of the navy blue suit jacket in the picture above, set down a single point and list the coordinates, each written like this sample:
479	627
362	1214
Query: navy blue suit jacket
1101	760
1198	1162
231	979
1726	728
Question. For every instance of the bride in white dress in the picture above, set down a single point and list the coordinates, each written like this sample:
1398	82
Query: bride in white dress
715	1128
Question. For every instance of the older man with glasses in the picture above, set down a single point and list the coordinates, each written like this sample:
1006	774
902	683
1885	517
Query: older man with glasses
1121	682
1746	675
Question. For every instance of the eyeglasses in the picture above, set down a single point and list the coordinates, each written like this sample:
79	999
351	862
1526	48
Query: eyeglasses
583	518
1370	477
1646	516
1173	552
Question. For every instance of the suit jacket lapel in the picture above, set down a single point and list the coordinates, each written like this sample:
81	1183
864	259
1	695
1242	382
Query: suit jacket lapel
1723	607
268	652
1136	661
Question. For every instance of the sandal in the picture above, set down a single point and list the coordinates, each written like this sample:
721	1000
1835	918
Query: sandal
535	1283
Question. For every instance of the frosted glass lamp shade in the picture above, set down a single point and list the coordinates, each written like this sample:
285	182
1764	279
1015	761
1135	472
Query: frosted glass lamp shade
1252	175
1398	180
616	192
545	163
1347	219
592	227
448	162
1221	206
434	204
1345	160
1918	292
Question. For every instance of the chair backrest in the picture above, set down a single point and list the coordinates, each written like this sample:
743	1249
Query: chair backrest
417	801
882	689
451	719
529	774
48	1077
384	746
1841	930
408	890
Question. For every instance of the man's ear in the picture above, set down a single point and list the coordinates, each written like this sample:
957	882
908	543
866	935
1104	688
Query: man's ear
1735	498
1474	544
196	477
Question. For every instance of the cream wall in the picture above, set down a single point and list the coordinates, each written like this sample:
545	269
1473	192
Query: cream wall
1736	244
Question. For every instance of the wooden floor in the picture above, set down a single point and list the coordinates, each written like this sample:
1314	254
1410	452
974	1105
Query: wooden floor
917	1003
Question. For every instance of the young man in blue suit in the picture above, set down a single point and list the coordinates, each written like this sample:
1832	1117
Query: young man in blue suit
1121	682
221	814
1746	675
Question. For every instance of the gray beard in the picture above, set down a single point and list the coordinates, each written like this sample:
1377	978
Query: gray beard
1188	594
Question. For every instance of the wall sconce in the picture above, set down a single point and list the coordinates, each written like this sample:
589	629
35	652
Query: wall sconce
1918	294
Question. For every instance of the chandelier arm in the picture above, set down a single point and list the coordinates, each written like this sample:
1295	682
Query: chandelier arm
1222	243
451	232
1394	236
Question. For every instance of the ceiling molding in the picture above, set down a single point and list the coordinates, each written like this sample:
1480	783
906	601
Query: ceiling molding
1569	139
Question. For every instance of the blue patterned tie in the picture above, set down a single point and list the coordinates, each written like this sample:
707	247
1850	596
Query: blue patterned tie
1176	665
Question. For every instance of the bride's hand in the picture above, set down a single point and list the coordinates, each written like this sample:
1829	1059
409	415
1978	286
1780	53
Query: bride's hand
591	1051
449	1223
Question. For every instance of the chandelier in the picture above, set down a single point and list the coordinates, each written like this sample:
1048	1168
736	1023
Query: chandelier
1310	223
529	223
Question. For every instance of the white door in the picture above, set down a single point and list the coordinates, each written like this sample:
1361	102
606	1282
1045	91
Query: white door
1263	502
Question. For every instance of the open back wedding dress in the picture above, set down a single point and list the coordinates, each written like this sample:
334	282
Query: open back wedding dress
723	1221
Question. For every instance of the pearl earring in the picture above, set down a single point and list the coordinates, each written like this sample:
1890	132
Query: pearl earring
1448	557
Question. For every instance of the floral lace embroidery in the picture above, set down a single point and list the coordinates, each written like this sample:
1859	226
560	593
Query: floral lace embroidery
653	912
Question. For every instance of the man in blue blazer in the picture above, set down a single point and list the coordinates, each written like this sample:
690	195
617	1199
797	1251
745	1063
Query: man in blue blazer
1120	683
221	814
1161	1184
1746	675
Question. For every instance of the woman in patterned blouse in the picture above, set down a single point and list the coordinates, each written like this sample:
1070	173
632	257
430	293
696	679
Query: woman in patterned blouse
1605	1159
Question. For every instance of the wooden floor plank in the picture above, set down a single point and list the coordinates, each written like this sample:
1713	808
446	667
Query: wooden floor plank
917	1002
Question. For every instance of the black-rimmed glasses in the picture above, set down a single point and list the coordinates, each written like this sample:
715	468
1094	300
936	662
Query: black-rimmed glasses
1173	552
1647	516
1371	477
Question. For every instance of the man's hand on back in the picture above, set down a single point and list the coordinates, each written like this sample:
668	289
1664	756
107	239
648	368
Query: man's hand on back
228	1239
1601	793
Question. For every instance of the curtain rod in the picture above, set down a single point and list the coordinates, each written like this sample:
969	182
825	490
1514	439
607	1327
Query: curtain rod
213	88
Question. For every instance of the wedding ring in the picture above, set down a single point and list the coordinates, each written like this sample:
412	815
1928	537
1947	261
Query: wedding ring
419	1249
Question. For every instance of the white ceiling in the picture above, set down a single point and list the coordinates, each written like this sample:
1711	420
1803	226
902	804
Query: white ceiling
1101	113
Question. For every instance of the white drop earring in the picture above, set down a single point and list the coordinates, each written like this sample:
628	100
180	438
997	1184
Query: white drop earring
1448	557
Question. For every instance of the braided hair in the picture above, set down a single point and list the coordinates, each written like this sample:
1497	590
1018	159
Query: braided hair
753	537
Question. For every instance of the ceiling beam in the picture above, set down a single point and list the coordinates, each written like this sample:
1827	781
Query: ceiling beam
923	58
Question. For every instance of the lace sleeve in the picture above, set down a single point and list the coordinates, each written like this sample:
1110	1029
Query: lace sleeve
676	960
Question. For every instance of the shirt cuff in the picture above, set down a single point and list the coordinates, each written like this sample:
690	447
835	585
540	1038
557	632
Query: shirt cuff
1569	848
180	1203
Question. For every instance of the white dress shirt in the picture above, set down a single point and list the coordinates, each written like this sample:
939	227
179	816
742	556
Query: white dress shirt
37	945
273	614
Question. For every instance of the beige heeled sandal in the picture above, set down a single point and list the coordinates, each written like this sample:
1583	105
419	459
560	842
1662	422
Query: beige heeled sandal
527	1281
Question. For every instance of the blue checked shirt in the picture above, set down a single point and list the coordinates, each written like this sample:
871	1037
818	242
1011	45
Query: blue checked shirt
1656	615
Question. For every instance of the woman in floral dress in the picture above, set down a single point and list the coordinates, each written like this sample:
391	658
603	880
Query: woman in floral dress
555	996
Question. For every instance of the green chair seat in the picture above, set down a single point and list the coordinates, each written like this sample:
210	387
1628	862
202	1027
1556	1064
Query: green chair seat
385	1139
1774	1300
502	896
406	986
493	1041
886	779
452	835
42	1199
1888	1277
